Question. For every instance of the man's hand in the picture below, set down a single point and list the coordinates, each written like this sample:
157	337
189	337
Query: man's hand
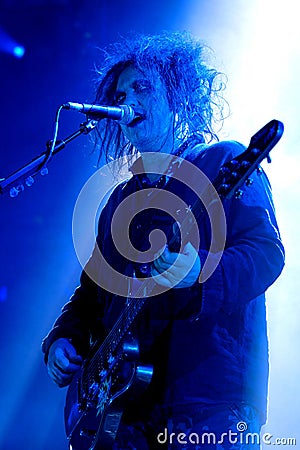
63	362
177	270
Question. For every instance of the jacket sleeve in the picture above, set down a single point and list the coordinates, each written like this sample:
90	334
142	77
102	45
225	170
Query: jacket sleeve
254	255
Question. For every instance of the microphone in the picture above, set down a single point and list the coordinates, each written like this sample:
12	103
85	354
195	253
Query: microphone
123	113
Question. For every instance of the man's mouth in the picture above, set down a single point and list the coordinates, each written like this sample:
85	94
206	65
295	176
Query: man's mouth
139	117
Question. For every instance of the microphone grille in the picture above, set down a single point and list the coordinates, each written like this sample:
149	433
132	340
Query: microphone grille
128	114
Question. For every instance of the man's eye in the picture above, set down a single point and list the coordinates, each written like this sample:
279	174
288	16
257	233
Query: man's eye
143	86
119	99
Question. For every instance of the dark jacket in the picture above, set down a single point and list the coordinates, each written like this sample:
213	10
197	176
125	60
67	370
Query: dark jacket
208	343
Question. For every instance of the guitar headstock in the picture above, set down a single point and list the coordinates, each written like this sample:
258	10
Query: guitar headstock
236	172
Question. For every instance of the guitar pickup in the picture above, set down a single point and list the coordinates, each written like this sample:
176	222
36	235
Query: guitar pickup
131	350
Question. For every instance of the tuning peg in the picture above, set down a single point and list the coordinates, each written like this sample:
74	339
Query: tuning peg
44	171
14	192
249	181
259	171
29	181
269	159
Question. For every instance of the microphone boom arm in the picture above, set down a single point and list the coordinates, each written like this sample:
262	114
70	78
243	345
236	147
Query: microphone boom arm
14	182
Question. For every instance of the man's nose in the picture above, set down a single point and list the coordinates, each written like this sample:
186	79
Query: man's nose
131	99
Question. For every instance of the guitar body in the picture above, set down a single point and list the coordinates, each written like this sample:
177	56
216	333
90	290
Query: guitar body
81	423
92	418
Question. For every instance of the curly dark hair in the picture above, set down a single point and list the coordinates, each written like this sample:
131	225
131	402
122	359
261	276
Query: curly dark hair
193	88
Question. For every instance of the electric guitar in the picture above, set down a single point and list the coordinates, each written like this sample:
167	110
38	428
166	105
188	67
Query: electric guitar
100	389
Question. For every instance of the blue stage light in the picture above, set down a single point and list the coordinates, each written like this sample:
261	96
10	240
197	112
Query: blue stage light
18	51
10	46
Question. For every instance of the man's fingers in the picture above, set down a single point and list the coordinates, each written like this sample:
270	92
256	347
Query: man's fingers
66	362
67	369
166	259
72	356
61	379
175	261
177	270
164	279
63	361
189	250
60	376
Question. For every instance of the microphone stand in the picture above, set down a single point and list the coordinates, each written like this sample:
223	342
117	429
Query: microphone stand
15	182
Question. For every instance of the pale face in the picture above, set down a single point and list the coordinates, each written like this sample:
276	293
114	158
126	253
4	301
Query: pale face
153	132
